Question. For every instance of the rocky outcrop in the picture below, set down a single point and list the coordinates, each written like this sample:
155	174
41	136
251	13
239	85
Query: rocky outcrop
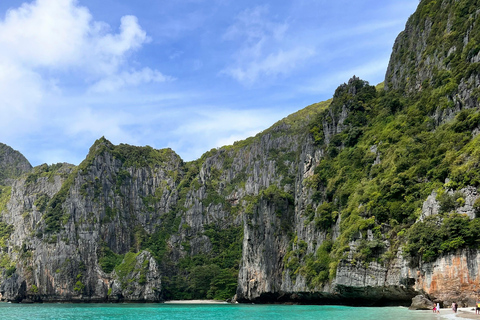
420	302
463	199
14	288
142	282
452	278
12	164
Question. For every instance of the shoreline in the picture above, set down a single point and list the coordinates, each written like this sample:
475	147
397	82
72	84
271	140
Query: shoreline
467	313
195	302
462	313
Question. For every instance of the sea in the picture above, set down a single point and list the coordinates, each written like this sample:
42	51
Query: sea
60	311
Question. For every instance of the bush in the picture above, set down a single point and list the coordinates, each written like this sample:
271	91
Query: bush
440	234
108	259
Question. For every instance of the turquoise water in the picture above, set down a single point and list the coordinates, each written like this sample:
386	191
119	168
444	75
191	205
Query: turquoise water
204	312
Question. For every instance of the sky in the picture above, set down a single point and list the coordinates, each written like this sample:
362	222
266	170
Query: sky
190	75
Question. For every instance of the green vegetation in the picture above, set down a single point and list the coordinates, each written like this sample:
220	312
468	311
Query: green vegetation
139	157
382	154
450	23
5	193
156	243
7	264
48	171
54	213
79	286
6	231
438	234
130	156
34	289
212	275
129	266
41	202
416	157
108	259
316	268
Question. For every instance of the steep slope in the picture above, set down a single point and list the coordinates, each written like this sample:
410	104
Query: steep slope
438	55
368	198
12	164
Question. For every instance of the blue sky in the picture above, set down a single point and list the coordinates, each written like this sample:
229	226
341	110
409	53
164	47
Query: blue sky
191	75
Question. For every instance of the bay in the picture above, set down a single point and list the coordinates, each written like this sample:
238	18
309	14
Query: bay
68	311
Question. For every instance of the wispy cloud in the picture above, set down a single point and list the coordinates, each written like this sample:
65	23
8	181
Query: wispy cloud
115	82
215	127
263	49
328	83
255	27
281	62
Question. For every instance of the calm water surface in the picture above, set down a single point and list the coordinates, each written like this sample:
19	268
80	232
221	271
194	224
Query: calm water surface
204	312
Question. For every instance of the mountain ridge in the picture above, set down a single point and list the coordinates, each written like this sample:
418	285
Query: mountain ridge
365	198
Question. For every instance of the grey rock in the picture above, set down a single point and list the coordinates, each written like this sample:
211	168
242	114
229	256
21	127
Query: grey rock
13	288
420	302
12	164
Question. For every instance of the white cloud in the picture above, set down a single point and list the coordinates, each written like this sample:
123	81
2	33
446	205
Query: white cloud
264	51
127	79
327	84
281	62
48	40
60	34
254	26
44	33
215	127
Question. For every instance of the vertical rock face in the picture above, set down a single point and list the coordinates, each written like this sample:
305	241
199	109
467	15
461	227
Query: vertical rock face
452	278
439	49
65	218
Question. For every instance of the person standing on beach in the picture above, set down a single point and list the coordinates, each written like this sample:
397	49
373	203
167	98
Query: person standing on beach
454	307
438	307
434	308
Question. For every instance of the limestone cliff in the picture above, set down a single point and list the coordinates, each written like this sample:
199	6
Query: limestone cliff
439	51
368	198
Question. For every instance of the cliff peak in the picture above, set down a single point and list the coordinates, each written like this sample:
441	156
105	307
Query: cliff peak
12	164
439	50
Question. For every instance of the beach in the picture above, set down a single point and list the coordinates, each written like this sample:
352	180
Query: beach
462	313
195	302
465	313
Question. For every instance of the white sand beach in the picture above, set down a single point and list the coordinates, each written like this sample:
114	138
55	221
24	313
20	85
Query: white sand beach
467	313
195	302
462	313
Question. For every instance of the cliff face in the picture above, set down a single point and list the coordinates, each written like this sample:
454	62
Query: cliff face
439	51
368	198
12	164
65	217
